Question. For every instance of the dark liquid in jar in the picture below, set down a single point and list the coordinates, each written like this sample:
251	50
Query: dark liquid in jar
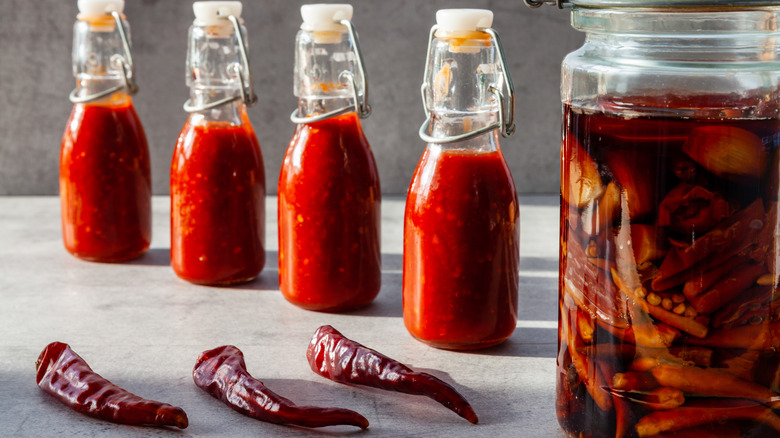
669	320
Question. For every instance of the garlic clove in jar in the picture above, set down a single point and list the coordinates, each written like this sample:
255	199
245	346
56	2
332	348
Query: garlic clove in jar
597	216
728	152
581	183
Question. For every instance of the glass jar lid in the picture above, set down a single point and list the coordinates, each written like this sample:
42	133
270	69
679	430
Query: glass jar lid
699	4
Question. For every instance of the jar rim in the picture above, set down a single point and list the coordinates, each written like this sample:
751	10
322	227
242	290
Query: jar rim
700	24
665	4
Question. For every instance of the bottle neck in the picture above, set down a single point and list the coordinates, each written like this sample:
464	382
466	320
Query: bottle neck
454	123
97	46
320	60
461	68
484	143
232	113
312	106
213	62
95	86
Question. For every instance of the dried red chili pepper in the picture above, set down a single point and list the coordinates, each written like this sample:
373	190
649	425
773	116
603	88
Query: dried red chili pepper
343	360
222	373
66	376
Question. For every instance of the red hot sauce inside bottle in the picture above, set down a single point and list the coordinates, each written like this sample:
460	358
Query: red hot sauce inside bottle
217	191
461	237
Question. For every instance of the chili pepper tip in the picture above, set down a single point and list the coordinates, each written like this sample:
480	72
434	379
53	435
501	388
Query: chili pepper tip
180	420
471	416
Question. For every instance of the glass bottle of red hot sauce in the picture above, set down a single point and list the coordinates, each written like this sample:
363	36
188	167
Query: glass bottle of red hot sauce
105	181
329	197
461	226
217	174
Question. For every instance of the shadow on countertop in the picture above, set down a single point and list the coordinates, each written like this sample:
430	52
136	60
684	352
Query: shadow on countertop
153	257
537	303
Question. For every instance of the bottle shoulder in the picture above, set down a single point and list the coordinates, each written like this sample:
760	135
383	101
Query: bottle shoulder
343	132
332	155
462	174
117	116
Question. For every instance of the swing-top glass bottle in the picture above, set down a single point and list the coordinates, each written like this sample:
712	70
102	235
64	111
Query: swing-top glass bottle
462	225
329	195
105	179
217	174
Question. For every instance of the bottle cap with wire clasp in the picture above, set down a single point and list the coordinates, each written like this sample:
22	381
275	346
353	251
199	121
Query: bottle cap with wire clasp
99	8
213	13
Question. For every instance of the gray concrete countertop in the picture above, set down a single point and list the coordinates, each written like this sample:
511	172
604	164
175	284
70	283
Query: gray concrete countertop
141	327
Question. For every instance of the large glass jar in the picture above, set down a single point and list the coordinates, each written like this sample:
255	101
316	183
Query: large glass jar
669	186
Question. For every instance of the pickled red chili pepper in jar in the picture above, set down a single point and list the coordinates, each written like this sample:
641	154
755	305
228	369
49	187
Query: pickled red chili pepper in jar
669	319
462	225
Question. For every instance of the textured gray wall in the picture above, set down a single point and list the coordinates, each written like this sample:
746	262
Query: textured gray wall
35	79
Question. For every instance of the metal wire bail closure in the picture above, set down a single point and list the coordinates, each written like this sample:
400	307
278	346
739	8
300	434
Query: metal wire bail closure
123	62
538	3
243	72
360	106
506	107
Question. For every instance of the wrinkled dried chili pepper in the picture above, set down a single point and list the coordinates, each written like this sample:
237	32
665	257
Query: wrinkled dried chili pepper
342	360
66	376
222	373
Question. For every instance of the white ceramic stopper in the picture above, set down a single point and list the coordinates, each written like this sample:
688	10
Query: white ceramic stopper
98	8
324	17
213	13
463	20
